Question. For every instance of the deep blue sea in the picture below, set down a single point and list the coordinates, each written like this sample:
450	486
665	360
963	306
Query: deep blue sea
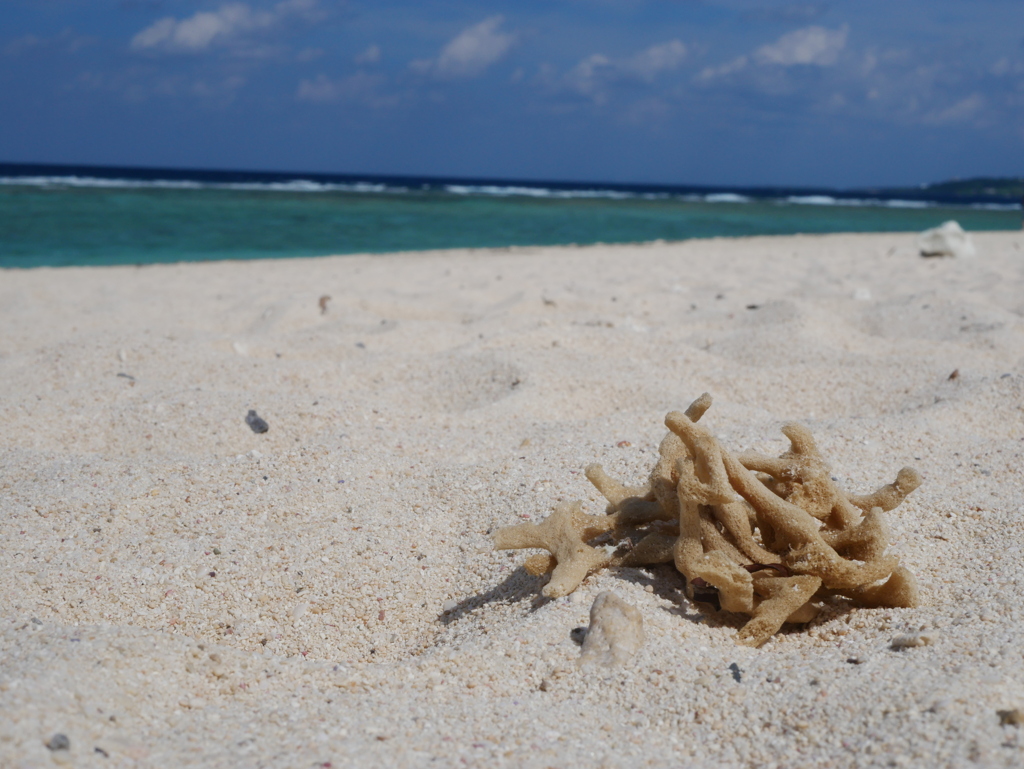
79	215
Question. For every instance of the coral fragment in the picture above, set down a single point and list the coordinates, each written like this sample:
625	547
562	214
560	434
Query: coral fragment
769	537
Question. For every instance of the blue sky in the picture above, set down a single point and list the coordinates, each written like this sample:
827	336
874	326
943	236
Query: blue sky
676	91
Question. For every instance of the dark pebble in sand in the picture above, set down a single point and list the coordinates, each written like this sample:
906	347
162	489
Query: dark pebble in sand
256	422
1010	717
59	742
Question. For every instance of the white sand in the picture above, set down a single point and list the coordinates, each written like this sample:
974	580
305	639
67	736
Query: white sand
176	590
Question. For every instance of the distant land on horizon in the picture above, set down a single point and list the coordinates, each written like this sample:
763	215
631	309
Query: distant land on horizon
973	190
1007	187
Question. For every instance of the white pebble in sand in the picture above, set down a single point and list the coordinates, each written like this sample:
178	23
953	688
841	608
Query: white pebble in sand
911	640
615	634
949	239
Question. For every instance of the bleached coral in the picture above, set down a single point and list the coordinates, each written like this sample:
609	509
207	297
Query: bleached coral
769	537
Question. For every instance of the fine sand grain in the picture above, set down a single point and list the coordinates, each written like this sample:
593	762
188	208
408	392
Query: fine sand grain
177	589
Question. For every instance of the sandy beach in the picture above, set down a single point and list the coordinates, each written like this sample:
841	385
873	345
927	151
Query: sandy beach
179	590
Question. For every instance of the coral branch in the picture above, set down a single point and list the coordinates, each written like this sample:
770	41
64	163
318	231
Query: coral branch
769	537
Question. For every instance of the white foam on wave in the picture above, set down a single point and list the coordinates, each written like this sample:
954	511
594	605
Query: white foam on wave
539	192
726	197
907	204
493	190
92	181
828	200
997	206
560	194
812	200
307	185
303	185
294	185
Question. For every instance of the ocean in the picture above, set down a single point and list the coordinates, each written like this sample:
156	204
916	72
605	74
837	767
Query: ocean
81	215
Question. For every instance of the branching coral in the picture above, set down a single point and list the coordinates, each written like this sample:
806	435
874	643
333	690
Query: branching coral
769	537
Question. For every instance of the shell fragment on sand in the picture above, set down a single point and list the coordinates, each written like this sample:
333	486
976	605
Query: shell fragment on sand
948	239
911	641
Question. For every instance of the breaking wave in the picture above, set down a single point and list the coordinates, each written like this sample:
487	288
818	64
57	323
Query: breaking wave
142	179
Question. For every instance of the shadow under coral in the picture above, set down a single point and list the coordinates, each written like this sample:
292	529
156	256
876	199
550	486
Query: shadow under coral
516	587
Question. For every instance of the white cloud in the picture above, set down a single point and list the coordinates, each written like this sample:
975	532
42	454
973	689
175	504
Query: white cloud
587	77
724	70
963	110
207	28
815	46
592	76
651	62
810	45
199	31
470	52
132	88
627	82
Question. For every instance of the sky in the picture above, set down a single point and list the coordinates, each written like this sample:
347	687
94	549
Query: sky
839	94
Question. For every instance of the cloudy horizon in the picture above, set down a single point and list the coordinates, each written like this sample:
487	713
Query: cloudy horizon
715	92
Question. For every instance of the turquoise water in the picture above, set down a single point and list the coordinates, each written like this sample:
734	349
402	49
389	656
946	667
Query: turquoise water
75	224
